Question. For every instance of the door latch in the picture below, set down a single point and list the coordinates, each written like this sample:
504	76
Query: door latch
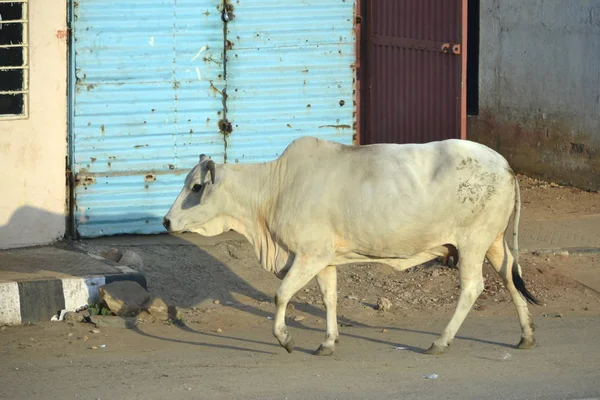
456	48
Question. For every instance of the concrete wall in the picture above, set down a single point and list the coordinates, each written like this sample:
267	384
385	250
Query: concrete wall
540	87
33	150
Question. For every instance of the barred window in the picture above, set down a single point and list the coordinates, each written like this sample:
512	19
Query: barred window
14	63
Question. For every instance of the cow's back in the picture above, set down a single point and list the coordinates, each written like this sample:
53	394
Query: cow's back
386	193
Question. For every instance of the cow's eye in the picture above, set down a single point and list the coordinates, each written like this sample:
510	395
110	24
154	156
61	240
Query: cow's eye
196	188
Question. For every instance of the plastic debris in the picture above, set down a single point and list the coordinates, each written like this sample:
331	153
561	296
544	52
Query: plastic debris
102	346
400	348
59	317
505	356
82	308
554	315
430	376
269	317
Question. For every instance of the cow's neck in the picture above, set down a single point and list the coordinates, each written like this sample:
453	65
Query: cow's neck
254	190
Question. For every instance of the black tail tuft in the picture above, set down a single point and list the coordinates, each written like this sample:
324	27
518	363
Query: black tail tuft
520	285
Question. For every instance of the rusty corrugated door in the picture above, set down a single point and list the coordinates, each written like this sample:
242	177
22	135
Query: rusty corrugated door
415	69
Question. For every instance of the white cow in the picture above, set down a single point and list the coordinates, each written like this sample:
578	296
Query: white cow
322	204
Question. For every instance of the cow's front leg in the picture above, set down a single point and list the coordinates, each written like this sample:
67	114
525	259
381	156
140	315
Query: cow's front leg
327	280
300	273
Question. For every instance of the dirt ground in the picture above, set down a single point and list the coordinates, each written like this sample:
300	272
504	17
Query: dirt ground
547	200
225	300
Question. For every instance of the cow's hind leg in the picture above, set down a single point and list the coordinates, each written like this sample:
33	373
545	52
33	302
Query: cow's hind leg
502	260
327	280
471	285
299	274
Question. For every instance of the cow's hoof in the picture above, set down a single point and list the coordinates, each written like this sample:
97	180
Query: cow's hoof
289	345
435	350
526	344
323	351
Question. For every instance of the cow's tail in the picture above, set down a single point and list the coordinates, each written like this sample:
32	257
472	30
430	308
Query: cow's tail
516	276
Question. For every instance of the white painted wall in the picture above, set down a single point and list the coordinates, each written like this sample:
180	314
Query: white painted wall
33	150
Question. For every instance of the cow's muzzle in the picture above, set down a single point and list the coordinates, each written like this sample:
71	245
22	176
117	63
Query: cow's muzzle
167	224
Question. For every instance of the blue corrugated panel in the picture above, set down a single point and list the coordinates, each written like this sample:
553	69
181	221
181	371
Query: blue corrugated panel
146	105
290	73
147	97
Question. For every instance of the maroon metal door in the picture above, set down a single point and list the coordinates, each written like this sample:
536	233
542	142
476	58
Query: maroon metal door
415	71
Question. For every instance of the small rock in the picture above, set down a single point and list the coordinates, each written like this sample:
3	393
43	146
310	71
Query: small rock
219	330
85	338
94	348
290	307
70	334
73	317
124	298
352	297
95	331
318	321
383	304
563	253
298	318
217	302
133	260
384	330
112	254
161	311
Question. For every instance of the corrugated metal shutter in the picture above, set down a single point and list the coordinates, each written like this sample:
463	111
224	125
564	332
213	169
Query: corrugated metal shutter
290	73
148	95
146	103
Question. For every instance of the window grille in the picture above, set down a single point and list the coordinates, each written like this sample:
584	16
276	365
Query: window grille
14	60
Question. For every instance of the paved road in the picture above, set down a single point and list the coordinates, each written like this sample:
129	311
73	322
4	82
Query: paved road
160	362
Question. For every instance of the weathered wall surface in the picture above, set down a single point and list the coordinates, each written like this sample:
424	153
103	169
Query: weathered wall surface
539	87
33	150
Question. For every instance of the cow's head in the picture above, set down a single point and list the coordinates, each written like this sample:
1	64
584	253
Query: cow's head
201	205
